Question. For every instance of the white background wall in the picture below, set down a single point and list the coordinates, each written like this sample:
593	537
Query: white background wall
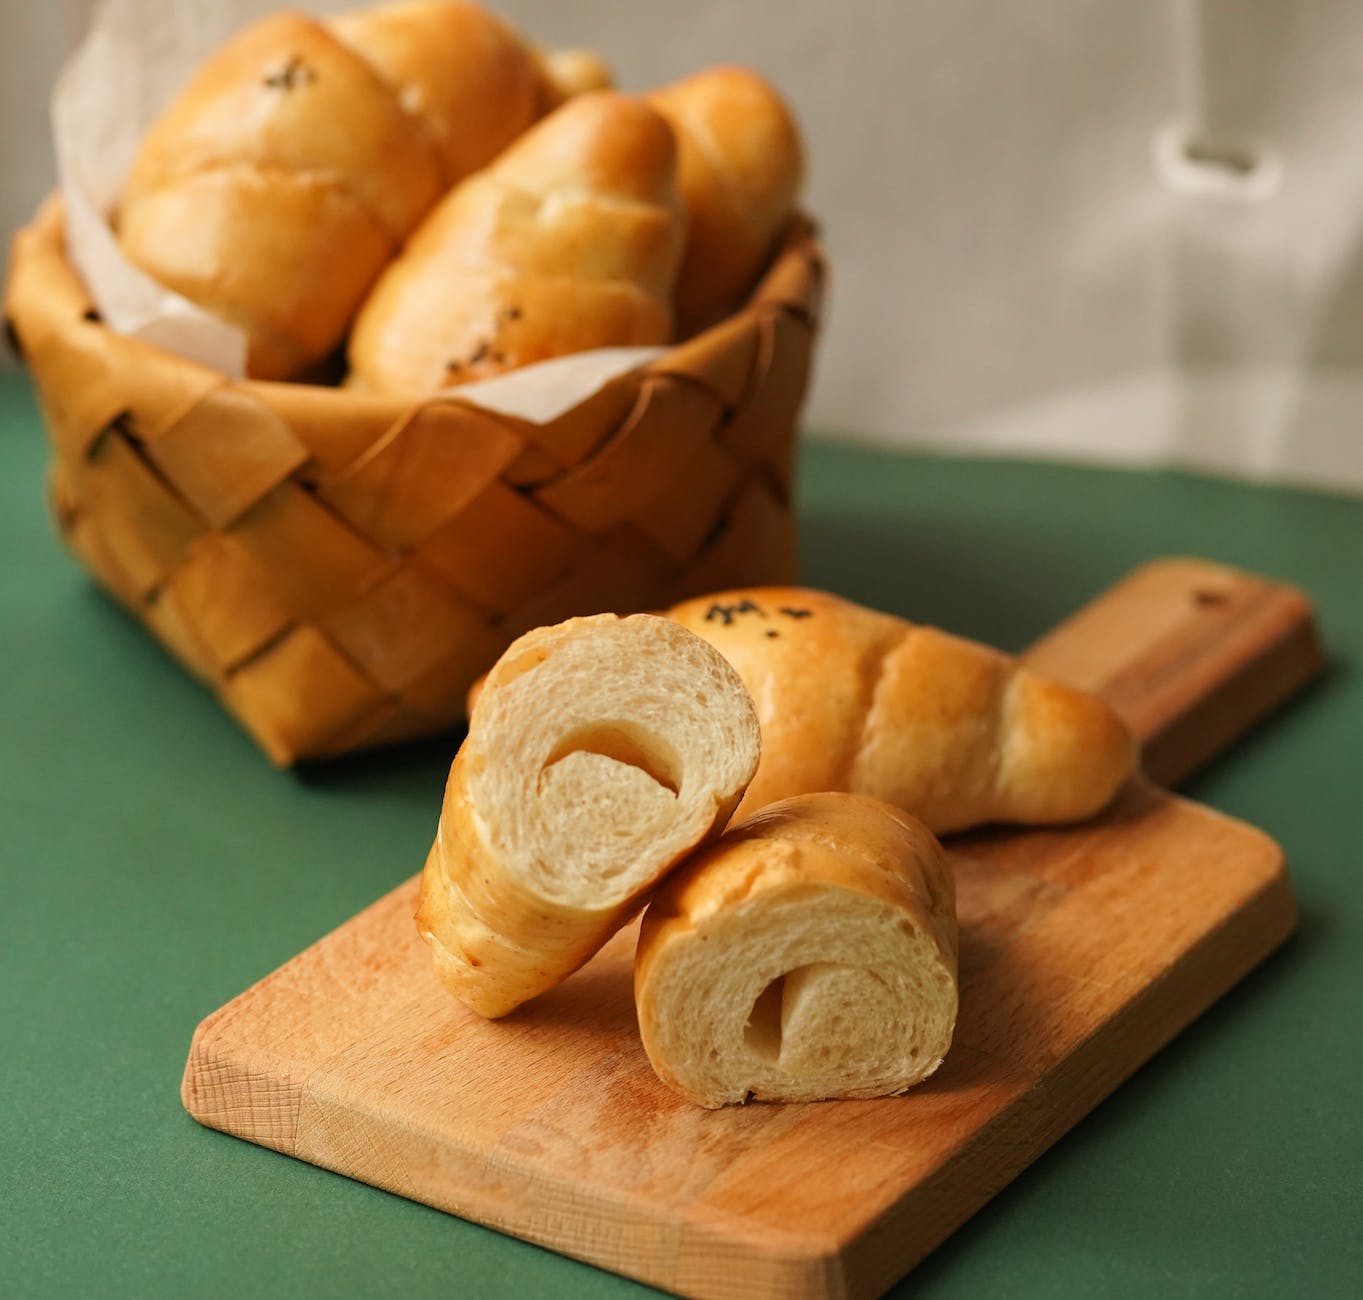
1012	268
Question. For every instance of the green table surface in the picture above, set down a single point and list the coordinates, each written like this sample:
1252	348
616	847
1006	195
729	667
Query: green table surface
154	865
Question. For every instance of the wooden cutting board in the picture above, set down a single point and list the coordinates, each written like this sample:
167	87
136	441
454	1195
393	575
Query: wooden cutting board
1083	950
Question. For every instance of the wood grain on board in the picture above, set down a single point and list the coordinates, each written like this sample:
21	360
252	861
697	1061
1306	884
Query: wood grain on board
1191	654
1083	950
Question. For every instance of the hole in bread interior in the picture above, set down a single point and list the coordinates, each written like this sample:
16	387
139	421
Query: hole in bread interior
624	744
612	805
765	1030
762	1033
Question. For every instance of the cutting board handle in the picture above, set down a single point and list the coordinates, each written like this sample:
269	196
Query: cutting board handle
1190	653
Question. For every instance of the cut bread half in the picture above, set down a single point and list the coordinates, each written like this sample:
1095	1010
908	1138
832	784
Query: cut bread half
600	753
809	954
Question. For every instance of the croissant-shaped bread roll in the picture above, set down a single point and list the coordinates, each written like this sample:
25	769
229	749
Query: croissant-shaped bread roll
810	953
569	241
300	156
740	163
600	752
949	730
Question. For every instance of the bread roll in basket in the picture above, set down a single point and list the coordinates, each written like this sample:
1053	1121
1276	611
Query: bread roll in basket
339	567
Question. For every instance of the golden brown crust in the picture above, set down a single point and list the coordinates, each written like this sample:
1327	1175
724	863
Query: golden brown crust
283	139
293	165
952	731
565	73
569	241
740	165
839	874
478	920
460	72
848	840
202	238
285	93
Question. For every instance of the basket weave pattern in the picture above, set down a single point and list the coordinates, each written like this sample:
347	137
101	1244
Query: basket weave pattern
339	567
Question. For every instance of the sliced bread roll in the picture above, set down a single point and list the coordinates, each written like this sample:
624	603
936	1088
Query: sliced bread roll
600	752
809	954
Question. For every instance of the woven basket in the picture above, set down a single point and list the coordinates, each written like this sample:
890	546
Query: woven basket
339	568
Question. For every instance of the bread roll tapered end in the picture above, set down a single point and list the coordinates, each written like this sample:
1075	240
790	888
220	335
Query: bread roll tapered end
809	954
952	731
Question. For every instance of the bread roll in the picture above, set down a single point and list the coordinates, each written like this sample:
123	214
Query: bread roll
601	751
565	73
300	156
740	164
949	730
810	953
463	75
569	241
